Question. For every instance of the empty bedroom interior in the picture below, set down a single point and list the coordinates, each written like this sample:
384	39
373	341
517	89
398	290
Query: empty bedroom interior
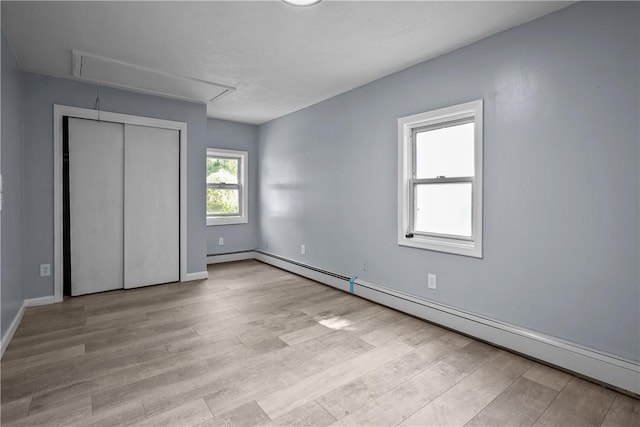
315	270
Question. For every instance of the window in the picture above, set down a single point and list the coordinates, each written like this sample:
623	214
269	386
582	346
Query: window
440	180
226	186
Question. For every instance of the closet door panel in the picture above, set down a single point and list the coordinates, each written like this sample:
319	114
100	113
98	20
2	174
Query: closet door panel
151	206
96	174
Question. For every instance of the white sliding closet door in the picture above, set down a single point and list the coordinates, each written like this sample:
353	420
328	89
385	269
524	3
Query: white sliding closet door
151	206
96	174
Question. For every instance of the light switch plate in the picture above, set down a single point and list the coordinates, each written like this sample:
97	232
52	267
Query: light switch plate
431	281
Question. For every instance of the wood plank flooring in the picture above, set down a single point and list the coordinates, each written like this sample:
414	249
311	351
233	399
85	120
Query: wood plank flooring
255	345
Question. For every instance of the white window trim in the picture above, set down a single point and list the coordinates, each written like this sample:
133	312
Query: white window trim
243	218
406	125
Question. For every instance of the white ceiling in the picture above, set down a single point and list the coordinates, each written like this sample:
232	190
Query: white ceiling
279	58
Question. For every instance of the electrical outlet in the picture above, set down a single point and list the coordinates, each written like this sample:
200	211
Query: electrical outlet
45	270
365	266
220	241
431	281
303	249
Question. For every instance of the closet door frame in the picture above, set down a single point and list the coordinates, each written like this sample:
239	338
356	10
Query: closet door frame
61	111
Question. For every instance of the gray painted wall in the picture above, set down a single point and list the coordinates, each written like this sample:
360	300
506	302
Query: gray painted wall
561	183
11	165
236	136
41	92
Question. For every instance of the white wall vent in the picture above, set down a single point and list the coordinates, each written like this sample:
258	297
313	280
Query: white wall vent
111	72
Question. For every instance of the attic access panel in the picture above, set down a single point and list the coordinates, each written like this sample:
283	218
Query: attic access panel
111	72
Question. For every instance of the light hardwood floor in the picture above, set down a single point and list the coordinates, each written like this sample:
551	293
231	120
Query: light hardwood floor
255	345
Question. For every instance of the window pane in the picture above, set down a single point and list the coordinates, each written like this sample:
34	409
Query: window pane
443	208
223	201
222	170
445	152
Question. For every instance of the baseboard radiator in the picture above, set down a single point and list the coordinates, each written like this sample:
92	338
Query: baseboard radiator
609	369
230	256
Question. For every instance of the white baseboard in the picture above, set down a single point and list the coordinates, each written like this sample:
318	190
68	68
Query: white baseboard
32	302
6	339
200	275
603	367
236	256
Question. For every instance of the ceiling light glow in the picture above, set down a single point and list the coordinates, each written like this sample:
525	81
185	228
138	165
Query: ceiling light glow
302	3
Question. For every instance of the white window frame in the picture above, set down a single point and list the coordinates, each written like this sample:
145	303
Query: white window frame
243	187
406	181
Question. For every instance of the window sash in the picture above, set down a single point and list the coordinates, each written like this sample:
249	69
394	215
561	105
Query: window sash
414	183
441	125
238	159
430	127
225	186
228	187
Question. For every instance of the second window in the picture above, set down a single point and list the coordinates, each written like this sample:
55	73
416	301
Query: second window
226	187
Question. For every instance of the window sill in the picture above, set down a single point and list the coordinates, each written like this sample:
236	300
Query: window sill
451	246
226	220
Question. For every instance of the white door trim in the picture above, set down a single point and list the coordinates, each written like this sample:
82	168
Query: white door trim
59	111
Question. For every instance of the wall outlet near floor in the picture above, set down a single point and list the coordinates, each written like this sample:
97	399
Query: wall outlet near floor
431	281
365	266
303	249
220	241
45	270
